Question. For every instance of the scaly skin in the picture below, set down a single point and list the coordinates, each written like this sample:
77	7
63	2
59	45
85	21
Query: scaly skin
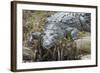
61	24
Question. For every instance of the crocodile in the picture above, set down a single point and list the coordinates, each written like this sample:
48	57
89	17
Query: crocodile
61	24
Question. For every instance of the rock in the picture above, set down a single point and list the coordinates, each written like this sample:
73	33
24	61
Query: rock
83	43
28	54
86	57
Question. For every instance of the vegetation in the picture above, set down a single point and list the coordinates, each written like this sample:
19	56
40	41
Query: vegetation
65	49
